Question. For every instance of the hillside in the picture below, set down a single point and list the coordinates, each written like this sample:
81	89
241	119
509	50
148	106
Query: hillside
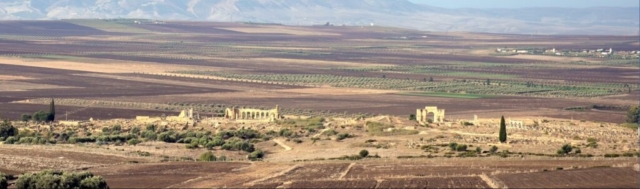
397	13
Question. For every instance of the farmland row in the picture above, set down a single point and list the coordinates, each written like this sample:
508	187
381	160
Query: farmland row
500	87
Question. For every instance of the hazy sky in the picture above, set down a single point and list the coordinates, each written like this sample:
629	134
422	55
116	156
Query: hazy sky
527	3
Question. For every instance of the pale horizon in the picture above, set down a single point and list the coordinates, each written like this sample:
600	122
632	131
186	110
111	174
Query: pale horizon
488	4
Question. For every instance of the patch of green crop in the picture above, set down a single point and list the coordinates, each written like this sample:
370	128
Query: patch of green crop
108	26
447	95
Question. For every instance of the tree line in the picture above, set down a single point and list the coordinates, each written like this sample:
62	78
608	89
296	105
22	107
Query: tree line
41	116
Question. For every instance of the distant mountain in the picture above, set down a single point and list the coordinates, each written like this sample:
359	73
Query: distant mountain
397	13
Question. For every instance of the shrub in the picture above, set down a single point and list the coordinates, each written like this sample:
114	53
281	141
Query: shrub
592	142
468	154
7	130
25	117
192	146
141	153
26	140
207	156
166	137
133	141
149	135
135	130
285	133
116	128
151	127
364	153
493	149
225	134
611	155
453	146
3	181
40	116
478	150
10	140
565	149
329	132
217	141
297	140
94	182
462	147
238	145
210	145
247	134
255	155
342	136
58	179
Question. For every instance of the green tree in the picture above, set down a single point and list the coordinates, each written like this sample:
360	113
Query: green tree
384	76
632	115
25	117
7	129
40	116
412	117
488	82
364	153
430	79
3	181
503	130
52	112
478	150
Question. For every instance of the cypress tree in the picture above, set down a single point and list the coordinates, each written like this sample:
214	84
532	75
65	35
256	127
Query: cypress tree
52	111
503	130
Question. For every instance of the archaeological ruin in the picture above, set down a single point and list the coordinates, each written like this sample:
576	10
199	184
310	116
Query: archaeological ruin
249	114
422	115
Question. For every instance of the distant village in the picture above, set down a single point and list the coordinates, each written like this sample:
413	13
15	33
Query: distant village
596	53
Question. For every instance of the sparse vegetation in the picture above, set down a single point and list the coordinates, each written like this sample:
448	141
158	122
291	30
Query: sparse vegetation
207	156
59	179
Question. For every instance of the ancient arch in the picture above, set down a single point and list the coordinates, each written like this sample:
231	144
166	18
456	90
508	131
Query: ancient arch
422	115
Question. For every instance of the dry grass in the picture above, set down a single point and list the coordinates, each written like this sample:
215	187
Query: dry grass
8	85
112	67
13	77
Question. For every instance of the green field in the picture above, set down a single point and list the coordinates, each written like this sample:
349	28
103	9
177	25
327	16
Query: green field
108	26
447	95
